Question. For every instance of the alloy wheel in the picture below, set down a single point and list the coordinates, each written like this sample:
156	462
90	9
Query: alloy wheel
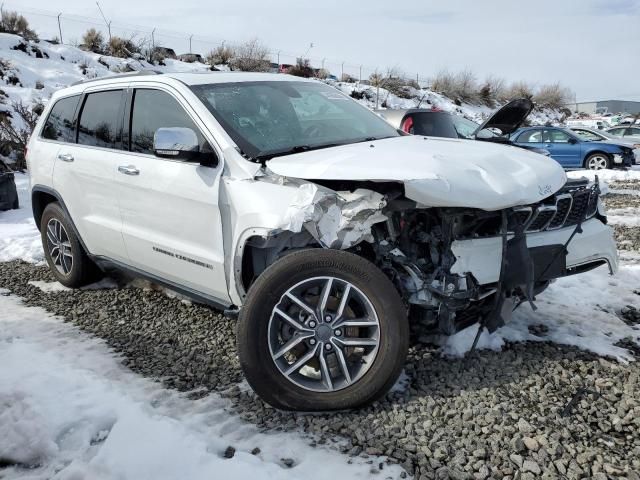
59	246
597	162
323	334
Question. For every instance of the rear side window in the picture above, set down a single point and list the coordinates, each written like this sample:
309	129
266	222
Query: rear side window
100	119
59	125
434	124
154	109
531	136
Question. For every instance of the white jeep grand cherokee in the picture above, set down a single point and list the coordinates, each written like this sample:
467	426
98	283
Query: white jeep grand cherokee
324	227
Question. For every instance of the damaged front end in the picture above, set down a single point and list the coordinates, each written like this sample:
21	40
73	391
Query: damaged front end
438	257
453	267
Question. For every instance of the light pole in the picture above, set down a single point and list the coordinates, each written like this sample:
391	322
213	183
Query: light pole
60	29
107	23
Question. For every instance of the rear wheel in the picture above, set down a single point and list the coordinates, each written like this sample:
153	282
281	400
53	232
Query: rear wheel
322	330
597	161
67	259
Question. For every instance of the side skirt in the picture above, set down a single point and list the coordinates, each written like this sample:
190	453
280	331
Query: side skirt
106	263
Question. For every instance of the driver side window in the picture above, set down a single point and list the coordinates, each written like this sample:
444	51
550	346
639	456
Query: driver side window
154	109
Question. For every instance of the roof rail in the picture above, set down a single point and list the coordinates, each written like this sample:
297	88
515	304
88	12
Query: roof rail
120	75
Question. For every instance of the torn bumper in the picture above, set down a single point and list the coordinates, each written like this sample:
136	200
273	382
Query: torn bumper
482	256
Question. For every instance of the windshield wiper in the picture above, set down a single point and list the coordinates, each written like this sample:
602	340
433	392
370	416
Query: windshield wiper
295	149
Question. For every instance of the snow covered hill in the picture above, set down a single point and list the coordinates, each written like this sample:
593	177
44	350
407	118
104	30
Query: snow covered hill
31	71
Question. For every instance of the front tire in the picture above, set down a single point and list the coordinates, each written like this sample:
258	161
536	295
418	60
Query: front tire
322	330
597	161
67	259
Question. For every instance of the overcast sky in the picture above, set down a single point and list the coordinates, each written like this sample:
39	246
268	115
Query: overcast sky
591	46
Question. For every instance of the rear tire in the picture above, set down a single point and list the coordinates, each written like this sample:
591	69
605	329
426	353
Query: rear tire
338	375
67	259
597	161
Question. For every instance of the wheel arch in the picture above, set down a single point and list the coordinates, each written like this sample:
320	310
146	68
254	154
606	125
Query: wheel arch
41	196
595	152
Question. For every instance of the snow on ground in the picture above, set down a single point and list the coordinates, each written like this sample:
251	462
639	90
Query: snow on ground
19	237
581	310
607	176
91	418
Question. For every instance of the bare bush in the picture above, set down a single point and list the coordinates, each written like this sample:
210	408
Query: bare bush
460	87
302	68
251	56
12	22
553	96
93	41
519	89
123	47
345	77
322	73
443	83
491	91
13	137
221	55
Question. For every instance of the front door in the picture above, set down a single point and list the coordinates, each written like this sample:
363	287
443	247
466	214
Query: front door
565	149
171	220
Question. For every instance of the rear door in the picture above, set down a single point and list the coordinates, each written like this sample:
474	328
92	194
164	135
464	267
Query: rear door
632	134
171	220
84	171
562	149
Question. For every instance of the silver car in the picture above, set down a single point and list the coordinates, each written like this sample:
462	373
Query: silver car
628	133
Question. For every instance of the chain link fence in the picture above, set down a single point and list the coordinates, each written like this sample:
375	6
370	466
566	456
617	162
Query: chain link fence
69	28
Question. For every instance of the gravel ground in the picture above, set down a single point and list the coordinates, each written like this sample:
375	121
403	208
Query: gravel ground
532	410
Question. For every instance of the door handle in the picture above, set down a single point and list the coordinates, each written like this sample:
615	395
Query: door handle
65	157
128	170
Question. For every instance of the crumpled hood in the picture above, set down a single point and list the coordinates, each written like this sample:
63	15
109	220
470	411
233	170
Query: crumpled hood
436	172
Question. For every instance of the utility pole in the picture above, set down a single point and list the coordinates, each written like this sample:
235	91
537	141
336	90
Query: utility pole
342	72
278	59
323	63
190	43
107	23
360	80
153	39
60	28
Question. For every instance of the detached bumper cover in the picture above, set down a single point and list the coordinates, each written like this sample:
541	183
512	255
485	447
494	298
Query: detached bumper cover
482	257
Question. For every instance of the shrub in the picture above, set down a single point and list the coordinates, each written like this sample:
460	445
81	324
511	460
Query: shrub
345	77
302	68
11	22
519	89
553	96
460	87
122	47
322	73
93	41
251	56
16	138
221	55
492	91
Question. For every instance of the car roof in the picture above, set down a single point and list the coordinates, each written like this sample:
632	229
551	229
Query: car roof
185	78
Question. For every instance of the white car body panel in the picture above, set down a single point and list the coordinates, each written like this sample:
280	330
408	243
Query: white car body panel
206	215
436	171
482	256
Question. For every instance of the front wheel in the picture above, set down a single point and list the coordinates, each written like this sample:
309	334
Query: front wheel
322	330
598	161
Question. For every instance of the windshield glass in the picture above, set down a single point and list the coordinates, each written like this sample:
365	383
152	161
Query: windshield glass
266	119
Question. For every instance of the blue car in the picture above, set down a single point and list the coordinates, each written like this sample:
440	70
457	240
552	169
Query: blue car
572	151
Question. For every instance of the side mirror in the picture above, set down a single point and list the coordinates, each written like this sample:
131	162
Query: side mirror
182	144
573	141
176	142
